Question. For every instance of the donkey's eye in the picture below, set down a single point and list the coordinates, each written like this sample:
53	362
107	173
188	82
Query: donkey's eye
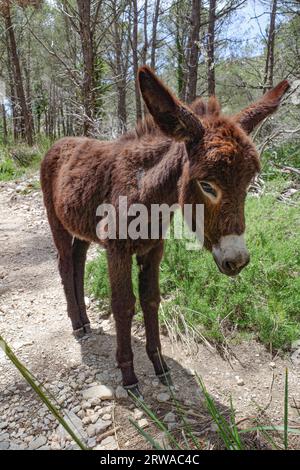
208	188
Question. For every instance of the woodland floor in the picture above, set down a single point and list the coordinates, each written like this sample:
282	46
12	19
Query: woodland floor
34	322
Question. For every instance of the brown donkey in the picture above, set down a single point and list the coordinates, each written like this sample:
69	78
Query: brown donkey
191	155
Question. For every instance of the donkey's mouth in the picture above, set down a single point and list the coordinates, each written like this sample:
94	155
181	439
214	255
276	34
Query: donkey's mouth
228	272
231	268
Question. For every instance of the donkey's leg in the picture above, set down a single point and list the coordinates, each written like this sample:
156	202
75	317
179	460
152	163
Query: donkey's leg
79	251
63	241
123	302
150	300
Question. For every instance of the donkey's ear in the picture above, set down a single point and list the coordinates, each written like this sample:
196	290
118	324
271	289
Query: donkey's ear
173	118
251	116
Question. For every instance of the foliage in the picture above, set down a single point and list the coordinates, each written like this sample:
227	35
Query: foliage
18	160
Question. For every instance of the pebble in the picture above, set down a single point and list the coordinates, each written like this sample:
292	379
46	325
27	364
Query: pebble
4	437
3	425
170	418
295	357
143	423
101	392
4	445
272	365
163	397
121	393
106	417
37	442
239	381
109	443
74	423
98	427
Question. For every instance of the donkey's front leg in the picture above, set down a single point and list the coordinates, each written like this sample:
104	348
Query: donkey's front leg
150	300
123	303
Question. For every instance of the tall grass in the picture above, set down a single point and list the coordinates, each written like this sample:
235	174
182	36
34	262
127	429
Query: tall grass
231	436
19	159
263	301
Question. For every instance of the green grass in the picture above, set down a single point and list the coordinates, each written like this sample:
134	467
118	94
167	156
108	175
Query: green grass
17	160
263	302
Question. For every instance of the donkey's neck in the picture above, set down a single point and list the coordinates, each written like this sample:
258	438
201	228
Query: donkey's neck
159	184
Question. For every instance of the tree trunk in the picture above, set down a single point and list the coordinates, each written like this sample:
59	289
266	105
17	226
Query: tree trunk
87	45
13	97
181	76
193	52
154	34
136	61
26	119
211	80
5	134
269	67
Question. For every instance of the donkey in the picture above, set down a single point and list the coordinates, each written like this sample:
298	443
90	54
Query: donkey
178	154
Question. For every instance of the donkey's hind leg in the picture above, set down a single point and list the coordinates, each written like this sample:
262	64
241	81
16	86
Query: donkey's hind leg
79	251
64	243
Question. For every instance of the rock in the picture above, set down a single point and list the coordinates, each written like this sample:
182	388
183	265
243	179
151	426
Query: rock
37	442
74	423
239	381
106	417
55	445
14	446
76	409
91	443
4	437
191	372
172	426
295	345
163	397
101	392
98	427
272	365
94	418
87	302
138	414
109	443
170	418
105	410
3	425
143	423
103	377
295	357
121	393
86	420
4	445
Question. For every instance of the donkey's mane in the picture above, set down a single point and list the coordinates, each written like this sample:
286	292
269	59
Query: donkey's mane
148	127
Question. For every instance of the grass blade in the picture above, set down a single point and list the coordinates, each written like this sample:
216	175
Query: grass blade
32	381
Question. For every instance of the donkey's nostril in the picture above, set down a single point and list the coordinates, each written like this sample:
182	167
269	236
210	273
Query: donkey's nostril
232	266
229	265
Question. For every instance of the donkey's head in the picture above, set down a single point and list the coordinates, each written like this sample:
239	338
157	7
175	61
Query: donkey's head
221	162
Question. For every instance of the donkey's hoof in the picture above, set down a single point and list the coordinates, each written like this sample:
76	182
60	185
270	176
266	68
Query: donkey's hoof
79	333
165	379
87	328
134	392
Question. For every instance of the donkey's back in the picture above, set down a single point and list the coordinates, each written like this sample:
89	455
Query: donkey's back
75	179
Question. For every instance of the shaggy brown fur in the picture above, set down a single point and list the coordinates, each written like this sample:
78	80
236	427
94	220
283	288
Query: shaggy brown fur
158	163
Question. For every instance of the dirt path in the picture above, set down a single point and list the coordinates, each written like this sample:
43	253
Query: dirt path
33	320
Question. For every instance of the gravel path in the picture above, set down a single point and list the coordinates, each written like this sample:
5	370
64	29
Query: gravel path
83	375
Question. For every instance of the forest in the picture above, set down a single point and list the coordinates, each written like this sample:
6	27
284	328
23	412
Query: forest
69	68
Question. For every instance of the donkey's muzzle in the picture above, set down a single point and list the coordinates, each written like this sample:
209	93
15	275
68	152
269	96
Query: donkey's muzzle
231	254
